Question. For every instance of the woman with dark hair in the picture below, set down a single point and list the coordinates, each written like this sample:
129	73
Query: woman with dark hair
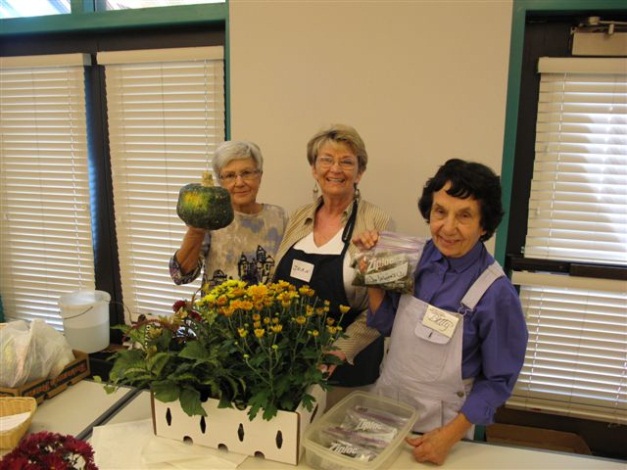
458	343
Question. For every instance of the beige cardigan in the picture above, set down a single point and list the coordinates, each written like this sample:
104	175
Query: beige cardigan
369	217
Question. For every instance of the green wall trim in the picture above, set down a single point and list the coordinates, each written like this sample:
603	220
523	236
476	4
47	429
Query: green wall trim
227	75
106	20
521	9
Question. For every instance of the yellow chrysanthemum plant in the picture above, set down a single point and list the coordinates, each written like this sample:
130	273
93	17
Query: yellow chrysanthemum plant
260	346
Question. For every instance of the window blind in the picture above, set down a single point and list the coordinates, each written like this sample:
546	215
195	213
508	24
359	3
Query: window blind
578	199
576	359
166	116
45	229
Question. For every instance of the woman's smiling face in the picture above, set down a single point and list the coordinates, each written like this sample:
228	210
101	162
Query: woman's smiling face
455	223
336	170
245	186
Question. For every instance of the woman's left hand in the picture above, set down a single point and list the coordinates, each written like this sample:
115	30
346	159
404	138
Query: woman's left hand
330	368
434	446
366	239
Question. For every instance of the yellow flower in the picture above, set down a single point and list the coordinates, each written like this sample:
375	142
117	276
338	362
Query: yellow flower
227	311
246	305
301	320
276	328
307	291
259	332
257	291
242	332
344	309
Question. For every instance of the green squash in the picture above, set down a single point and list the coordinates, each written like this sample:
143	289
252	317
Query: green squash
204	205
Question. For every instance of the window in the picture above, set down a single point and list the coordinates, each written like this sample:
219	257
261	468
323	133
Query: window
166	115
205	28
579	185
22	9
128	4
577	232
30	8
46	231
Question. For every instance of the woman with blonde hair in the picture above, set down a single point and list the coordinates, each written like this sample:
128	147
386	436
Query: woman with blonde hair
316	250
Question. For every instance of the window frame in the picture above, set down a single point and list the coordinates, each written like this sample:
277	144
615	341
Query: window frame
605	440
521	104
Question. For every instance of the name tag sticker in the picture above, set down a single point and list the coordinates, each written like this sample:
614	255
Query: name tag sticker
301	270
440	321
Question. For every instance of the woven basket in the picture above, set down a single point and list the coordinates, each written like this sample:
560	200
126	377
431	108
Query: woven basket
11	406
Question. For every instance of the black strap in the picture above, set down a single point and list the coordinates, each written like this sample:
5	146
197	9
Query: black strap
350	225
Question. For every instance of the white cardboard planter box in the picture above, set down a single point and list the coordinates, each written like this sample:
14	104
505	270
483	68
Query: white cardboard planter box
279	439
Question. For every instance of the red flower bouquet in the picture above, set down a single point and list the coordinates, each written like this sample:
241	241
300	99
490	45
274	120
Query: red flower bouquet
46	450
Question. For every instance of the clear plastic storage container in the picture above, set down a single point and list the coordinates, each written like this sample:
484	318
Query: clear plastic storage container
362	431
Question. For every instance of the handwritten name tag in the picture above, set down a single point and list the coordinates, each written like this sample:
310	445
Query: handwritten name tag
440	321
302	270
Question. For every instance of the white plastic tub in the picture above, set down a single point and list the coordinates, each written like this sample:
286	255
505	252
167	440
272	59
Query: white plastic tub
318	446
86	319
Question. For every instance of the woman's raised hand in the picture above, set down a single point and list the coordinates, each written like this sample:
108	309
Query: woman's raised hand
366	240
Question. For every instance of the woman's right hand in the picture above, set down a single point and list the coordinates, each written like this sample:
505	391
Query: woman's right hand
196	232
366	240
187	254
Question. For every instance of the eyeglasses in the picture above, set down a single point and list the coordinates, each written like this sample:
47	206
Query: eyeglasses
246	175
328	162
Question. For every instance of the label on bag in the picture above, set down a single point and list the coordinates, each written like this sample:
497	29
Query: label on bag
440	320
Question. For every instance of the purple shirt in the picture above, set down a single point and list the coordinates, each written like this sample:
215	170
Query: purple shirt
495	333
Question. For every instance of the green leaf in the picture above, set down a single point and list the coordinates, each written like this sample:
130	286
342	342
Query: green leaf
190	402
157	363
195	350
166	391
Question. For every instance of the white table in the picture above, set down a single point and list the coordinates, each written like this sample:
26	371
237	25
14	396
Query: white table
86	404
465	455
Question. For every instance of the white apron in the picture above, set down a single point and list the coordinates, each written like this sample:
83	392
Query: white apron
423	367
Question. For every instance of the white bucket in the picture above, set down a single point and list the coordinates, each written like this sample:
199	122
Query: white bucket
86	319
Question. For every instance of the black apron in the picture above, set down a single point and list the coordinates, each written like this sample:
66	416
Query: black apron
327	280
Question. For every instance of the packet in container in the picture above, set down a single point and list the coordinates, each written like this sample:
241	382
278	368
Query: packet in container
390	264
362	431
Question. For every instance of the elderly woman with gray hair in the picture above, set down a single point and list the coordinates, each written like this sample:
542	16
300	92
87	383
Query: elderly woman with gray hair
246	248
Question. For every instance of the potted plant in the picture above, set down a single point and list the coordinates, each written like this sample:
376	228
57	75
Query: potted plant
257	347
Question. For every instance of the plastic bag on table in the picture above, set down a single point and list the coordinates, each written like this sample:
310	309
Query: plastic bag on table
31	352
390	264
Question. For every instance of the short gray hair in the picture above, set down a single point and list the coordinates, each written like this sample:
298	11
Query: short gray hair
231	150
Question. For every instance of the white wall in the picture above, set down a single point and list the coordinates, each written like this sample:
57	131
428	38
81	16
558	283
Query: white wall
422	81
